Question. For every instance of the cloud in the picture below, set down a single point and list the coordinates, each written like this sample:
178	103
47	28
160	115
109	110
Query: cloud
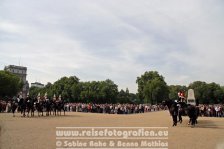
119	40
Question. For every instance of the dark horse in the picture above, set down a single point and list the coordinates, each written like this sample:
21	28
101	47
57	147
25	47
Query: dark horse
22	106
178	109
173	109
30	106
48	105
62	106
58	106
39	106
14	106
193	113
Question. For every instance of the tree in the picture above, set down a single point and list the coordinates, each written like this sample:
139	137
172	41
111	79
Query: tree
207	93
110	90
34	91
174	89
10	84
152	87
64	86
123	96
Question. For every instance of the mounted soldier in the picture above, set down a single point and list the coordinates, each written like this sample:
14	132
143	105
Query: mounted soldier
54	105
22	105
61	105
173	109
47	105
28	104
181	104
39	105
193	110
14	105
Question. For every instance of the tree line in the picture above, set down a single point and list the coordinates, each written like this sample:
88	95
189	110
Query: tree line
10	84
152	88
72	90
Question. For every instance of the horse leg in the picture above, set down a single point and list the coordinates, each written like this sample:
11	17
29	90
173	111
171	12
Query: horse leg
13	112
193	121
23	112
28	112
33	113
180	117
174	120
48	112
189	122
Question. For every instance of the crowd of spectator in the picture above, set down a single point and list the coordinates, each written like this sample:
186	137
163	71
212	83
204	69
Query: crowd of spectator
216	110
208	110
113	108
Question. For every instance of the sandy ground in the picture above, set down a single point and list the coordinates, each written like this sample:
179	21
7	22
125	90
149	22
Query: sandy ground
39	132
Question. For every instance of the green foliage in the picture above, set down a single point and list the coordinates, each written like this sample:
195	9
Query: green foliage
207	92
126	97
74	91
34	91
152	87
10	84
174	89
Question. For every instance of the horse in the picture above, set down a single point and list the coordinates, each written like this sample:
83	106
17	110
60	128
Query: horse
3	105
193	112
62	106
173	109
182	106
30	106
39	106
48	105
22	106
58	106
14	106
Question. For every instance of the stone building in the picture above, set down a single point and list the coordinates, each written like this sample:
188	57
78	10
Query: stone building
37	84
21	72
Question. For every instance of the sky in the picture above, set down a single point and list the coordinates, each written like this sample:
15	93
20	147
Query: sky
114	39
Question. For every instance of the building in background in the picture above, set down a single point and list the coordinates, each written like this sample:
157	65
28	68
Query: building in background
21	72
37	84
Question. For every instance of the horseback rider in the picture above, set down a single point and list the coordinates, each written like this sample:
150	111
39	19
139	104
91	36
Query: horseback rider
175	113
180	110
39	105
173	109
14	105
47	105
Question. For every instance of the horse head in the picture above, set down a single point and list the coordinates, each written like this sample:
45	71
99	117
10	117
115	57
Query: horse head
167	103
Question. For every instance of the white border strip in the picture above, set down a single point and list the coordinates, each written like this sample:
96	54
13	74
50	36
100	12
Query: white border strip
109	127
103	138
111	148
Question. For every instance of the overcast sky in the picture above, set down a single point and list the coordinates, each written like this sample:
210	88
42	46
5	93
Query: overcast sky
115	39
